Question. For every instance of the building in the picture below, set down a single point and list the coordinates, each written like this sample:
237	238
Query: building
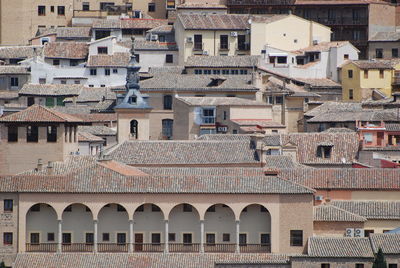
384	45
12	55
36	133
13	77
62	34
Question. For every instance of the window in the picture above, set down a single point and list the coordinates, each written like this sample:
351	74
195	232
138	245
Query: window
368	232
42	81
7	238
49	101
52	134
85	6
102	50
93	71
282	60
226	237
56	62
50	237
8	205
171	237
265	239
350	73
224	43
115	71
155	208
216	71
392	265
61	10
63	82
89	238
208	116
41	11
66	238
35	238
346	56
324	151
104	5
296	238
243	71
151	7
120	208
91	85
187	208
156	238
167	100
351	96
73	62
32	134
359	265
381	74
235	72
52	9
187	238
76	82
102	85
210	239
278	99
169	58
60	101
198	42
35	208
134	129
14	81
99	34
107	71
325	265
211	209
224	115
366	74
106	237
242	239
12	133
197	71
121	238
167	128
395	52
379	53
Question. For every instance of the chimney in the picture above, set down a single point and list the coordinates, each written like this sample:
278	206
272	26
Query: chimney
50	168
39	164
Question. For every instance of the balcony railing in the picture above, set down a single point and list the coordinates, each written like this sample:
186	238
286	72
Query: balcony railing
77	247
112	247
219	247
340	20
255	248
44	247
179	247
148	247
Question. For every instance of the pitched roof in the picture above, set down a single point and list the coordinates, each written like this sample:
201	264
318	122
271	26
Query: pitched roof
66	50
219	101
332	213
373	64
226	137
20	52
389	243
385	37
190	152
97	117
98	130
372	209
204	171
162	29
88	137
323	46
263	123
281	161
222	61
51	90
128	23
36	113
73	32
214	21
94	94
340	247
151	45
118	59
7	95
13	69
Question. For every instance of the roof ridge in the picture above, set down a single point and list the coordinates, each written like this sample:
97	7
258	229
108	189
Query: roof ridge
346	211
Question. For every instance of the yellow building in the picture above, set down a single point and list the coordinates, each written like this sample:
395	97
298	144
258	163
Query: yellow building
363	79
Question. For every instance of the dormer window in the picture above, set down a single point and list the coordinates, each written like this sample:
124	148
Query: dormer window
324	151
132	100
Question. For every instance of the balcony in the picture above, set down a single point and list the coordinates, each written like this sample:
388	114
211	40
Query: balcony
43	247
112	247
77	247
184	247
260	2
340	21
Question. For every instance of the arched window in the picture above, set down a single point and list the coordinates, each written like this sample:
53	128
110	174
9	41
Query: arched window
134	129
167	102
167	126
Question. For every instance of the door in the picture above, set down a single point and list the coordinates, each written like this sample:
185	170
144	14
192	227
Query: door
243	239
198	42
380	138
138	242
242	42
35	238
66	238
121	238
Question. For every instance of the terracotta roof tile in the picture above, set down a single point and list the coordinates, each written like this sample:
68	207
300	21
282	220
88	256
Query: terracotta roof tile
219	101
389	210
13	69
389	243
20	52
339	247
331	213
214	22
128	23
119	59
222	61
50	90
66	50
87	137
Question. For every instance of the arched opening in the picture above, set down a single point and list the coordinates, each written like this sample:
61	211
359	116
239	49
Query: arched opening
149	229
134	129
113	229
184	229
255	229
77	229
219	229
167	129
41	228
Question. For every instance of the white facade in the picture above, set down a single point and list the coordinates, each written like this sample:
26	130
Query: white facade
156	58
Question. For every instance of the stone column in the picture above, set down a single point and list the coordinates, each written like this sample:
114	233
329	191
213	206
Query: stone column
202	236
131	236
95	235
59	245
166	248
237	236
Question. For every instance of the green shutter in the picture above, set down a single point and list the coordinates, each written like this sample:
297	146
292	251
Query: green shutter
50	102
60	101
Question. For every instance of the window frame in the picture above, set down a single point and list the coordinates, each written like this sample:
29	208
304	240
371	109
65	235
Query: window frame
8	238
41	10
60	10
6	205
107	72
12	136
93	71
32	133
296	238
151	7
169	58
51	133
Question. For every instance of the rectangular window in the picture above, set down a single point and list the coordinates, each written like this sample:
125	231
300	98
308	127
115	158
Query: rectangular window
12	133
278	99
32	134
187	208
14	82
66	238
42	81
121	238
359	265
8	205
171	237
102	50
296	238
346	56
107	71
156	238
381	74
52	9
187	238
50	237
63	82
210	239
198	42
151	7
216	71
115	71
208	116
167	102
368	232
60	101
104	5
93	71
226	237
325	265
392	265
49	101
243	239
365	74
85	6
35	238
41	10
76	82
351	96
8	238
282	60
169	58
265	239
51	133
89	238
324	151
379	53
56	62
73	62
106	237
395	52
61	10
350	73
224	42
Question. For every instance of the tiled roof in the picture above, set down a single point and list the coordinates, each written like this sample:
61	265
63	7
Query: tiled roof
20	52
338	130
323	46
272	140
36	113
13	69
162	29
118	59
264	123
98	130
151	45
392	127
332	213
97	117
51	90
385	37
225	137
143	260
336	2
275	84
205	5
204	171
73	32
74	109
7	95
219	101
340	247
222	61
214	22
319	82
87	137
389	115
128	23
372	209
373	64
389	243
280	162
164	81
345	178
190	152
335	107
66	50
94	94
